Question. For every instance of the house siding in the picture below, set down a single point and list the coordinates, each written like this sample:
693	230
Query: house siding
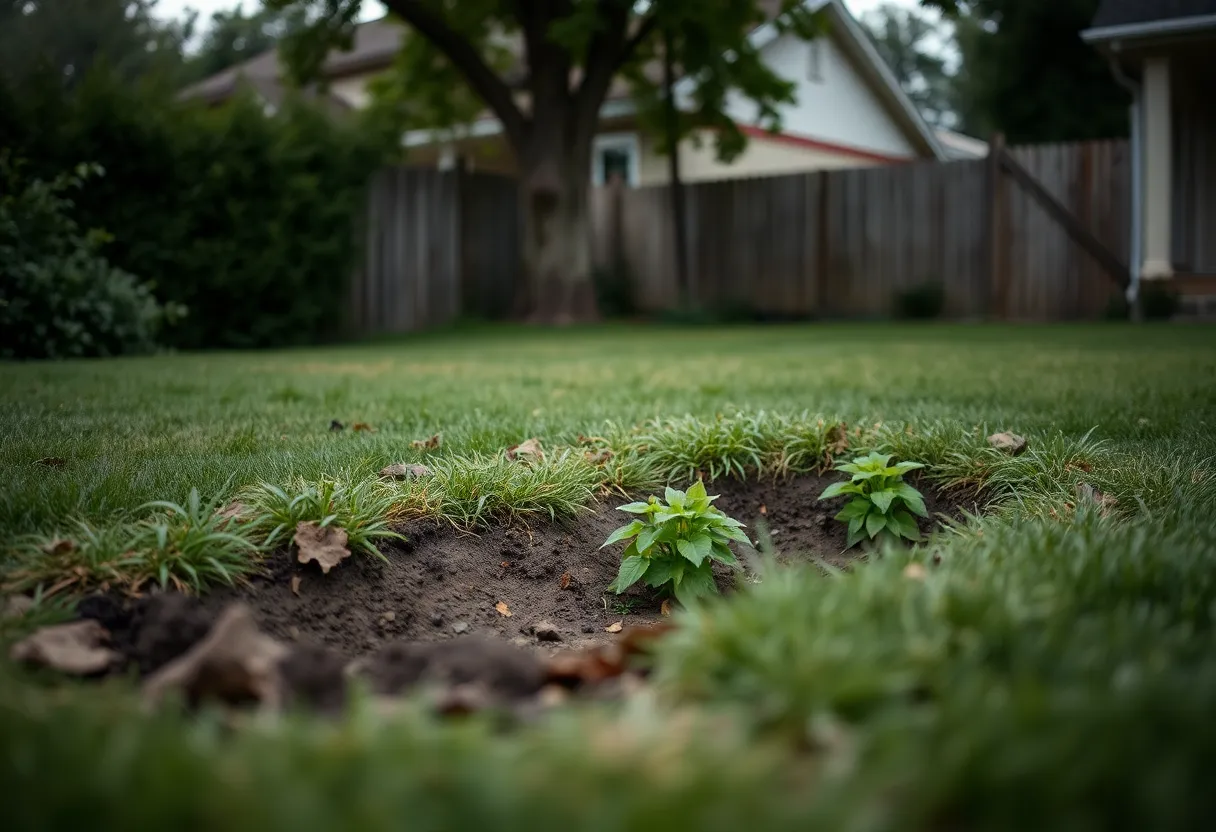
840	108
1194	197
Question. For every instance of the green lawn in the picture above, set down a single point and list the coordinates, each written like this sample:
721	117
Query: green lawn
1053	669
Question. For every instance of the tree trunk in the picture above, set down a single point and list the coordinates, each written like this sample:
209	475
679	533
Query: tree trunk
558	287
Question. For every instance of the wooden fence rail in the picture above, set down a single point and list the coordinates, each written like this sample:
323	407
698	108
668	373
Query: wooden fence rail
1035	233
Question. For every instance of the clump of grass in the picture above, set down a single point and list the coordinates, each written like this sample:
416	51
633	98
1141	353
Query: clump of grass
187	547
360	507
687	448
472	491
804	444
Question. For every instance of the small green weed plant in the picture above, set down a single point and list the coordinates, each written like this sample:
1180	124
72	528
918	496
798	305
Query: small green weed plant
881	500
674	542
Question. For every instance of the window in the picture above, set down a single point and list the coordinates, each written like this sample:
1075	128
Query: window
615	155
814	61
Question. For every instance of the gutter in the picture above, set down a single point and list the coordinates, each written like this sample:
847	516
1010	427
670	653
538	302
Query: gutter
1135	142
1151	28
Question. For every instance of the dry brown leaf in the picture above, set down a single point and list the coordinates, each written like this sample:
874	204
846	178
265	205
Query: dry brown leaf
235	663
527	448
838	439
615	627
763	509
232	511
76	648
295	584
362	427
506	564
503	609
428	444
606	661
565	580
599	457
1104	502
326	546
404	471
665	607
59	546
915	572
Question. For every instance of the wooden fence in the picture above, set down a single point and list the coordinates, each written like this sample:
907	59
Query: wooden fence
439	246
845	243
1036	233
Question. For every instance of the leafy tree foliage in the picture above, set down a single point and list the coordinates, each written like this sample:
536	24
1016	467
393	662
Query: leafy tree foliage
914	46
70	37
1027	73
235	36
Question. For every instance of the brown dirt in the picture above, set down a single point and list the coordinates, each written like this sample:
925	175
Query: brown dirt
444	583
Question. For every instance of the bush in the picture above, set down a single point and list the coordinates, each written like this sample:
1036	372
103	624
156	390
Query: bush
921	303
247	219
1158	302
59	296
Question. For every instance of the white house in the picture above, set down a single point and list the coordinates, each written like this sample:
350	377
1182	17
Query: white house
850	111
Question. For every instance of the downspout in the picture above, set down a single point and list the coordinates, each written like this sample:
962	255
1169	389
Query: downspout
1137	153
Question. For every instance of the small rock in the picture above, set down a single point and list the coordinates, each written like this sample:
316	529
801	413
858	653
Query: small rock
545	631
403	471
460	627
436	620
388	618
587	628
1010	443
16	606
293	633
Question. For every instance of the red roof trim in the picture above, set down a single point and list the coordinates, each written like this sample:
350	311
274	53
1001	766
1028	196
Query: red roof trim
816	144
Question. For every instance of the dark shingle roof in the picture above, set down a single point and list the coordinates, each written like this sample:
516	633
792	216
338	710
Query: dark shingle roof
1131	12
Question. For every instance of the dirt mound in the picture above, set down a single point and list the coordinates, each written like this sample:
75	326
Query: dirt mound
445	584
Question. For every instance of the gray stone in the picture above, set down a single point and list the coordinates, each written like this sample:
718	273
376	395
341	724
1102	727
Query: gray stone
460	627
1010	443
546	631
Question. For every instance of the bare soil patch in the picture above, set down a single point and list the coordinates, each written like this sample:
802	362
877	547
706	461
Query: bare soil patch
444	583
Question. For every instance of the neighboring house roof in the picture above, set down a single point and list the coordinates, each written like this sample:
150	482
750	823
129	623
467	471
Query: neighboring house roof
960	146
1138	19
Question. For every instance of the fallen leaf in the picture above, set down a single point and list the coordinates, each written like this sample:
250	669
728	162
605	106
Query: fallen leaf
503	609
235	663
565	580
665	607
615	627
336	426
505	564
1105	502
529	448
763	509
837	439
404	471
295	584
59	546
76	648
428	444
326	546
51	462
231	512
1010	443
914	572
606	661
362	427
597	457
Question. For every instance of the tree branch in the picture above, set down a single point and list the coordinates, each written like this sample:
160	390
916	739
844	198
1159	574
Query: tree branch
607	53
465	57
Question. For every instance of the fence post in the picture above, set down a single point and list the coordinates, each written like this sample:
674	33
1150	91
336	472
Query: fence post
824	256
995	238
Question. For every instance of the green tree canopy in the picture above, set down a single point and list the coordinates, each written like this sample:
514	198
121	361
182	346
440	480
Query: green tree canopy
915	47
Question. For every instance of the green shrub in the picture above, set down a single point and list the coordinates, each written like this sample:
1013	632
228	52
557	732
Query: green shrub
923	302
1158	301
673	544
247	219
880	499
59	296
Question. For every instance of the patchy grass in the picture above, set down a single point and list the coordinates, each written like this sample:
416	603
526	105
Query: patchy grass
361	508
1048	666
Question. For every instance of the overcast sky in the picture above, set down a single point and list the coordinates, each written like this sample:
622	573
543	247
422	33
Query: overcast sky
373	9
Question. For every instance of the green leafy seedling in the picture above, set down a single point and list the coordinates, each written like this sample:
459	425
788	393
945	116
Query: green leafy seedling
673	543
880	500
